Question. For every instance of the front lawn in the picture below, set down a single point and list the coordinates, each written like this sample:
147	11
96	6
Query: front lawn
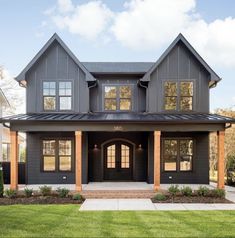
67	221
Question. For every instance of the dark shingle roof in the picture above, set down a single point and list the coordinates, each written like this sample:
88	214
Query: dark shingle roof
118	67
119	117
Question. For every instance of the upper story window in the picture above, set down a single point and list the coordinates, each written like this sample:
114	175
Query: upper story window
65	95
54	99
49	96
178	96
117	98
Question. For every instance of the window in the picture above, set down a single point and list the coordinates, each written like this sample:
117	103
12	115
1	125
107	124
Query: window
117	98
49	96
57	152
125	156
65	156
65	95
49	155
111	156
5	152
178	96
177	154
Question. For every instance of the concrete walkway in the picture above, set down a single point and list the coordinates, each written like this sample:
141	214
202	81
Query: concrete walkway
147	205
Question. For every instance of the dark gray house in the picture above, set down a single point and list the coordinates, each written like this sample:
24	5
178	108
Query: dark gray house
117	121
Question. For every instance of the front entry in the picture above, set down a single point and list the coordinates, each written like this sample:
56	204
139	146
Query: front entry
118	161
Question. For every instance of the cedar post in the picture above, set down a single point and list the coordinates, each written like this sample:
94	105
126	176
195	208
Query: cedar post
14	159
78	154
220	147
157	156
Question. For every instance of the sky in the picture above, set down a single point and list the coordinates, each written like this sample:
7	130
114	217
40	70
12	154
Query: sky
122	30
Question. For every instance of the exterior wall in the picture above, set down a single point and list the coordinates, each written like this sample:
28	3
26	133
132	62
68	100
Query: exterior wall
138	97
200	172
95	155
179	65
56	65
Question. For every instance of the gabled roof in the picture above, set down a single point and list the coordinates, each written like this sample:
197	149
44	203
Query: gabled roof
180	37
118	67
4	99
54	38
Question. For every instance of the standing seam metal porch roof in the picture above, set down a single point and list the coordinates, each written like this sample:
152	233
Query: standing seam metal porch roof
119	117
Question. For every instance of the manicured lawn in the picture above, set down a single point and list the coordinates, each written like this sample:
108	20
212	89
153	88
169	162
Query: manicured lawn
66	220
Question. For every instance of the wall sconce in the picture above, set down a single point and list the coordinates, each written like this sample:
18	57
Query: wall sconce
140	147
95	147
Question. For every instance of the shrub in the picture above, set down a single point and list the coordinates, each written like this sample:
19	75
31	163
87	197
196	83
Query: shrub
63	192
45	190
230	169
173	190
28	192
160	197
186	191
77	196
203	191
10	193
218	193
1	181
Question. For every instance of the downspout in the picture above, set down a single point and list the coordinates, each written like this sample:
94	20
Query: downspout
89	87
146	88
5	125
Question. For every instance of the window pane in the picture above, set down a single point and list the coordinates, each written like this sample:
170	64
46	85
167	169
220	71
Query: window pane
186	147
170	163
49	103
186	88
65	147
110	92
110	104
49	163
65	163
125	159
170	89
49	88
65	88
111	156
125	91
5	152
186	103
125	104
49	147
65	103
170	103
186	163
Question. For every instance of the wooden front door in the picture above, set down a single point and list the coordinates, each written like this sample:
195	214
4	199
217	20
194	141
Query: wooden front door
118	161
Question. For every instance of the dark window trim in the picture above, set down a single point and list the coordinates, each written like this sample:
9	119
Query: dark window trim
178	155
57	170
178	110
57	96
117	98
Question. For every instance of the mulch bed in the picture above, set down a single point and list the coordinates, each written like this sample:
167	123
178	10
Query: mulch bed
38	200
192	199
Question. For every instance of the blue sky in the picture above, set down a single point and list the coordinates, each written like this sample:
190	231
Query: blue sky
115	33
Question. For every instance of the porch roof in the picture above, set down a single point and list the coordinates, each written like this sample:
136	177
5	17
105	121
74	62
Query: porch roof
168	118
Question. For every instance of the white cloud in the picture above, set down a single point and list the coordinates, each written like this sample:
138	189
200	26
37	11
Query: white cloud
87	20
149	25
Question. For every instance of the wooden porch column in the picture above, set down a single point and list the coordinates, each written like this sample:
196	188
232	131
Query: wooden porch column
14	159
220	147
78	154
157	156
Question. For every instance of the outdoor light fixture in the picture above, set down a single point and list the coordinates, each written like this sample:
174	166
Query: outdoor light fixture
140	146
95	146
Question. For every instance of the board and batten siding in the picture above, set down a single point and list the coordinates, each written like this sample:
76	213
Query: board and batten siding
179	65
56	65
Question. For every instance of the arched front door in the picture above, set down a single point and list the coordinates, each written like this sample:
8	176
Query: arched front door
118	161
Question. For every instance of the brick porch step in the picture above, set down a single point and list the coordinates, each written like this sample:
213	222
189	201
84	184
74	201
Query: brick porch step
117	194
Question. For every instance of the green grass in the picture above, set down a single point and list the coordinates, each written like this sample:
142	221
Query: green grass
67	221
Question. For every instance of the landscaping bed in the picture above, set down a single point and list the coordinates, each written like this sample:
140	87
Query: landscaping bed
39	200
187	195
